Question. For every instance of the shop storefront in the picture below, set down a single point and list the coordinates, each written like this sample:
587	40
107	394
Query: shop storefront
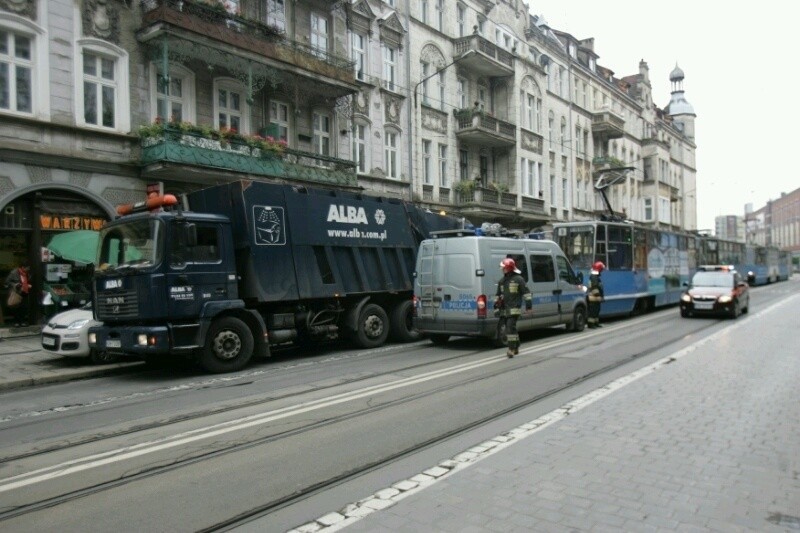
28	224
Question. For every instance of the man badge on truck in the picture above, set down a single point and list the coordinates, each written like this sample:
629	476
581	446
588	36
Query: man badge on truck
268	223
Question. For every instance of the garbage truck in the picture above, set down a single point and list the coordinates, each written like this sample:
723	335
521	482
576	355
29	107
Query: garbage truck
232	270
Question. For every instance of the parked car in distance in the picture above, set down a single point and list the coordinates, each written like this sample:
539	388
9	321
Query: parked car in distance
716	290
67	334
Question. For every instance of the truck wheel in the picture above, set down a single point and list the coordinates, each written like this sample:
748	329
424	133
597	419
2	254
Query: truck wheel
229	346
403	329
578	320
98	357
372	327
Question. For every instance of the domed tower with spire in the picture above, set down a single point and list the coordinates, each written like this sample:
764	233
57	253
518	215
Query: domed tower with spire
679	108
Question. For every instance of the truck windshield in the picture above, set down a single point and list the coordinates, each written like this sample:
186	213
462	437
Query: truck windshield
136	244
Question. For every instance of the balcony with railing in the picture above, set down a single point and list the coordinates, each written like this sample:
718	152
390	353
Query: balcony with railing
478	127
205	156
487	58
201	30
607	125
490	203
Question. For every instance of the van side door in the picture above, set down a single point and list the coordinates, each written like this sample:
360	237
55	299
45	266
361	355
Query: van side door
569	289
545	289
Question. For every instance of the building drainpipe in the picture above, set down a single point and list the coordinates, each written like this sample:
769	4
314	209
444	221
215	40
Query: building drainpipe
410	120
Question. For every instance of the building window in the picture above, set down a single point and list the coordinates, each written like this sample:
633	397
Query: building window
319	35
360	137
279	119
16	72
461	19
664	214
551	124
531	170
562	138
443	181
565	192
440	15
463	165
359	55
391	158
531	106
423	11
481	25
461	93
322	133
99	90
276	14
103	89
389	62
483	168
174	100
230	106
648	209
426	162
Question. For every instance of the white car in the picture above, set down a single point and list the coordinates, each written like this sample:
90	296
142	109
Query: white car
67	334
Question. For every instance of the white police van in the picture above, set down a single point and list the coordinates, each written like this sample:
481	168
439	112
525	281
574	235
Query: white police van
456	281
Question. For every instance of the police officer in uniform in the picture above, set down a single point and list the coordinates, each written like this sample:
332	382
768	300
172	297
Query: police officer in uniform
511	293
595	294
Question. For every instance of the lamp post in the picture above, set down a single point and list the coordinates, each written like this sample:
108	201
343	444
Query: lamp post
416	120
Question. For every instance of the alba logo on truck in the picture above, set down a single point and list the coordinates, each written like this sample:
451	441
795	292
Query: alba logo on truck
347	214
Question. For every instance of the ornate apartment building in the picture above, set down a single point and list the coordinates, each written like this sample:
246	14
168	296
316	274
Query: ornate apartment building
474	107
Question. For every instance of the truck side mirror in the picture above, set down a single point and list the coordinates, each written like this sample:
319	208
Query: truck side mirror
191	235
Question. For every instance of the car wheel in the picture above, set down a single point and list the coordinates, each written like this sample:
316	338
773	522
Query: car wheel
101	357
685	313
578	320
372	327
229	346
736	311
746	308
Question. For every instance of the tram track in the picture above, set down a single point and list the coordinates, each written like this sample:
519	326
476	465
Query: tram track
352	473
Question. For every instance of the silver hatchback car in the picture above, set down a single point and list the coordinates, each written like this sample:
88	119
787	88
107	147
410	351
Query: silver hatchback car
67	334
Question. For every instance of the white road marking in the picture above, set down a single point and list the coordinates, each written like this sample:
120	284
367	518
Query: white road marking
400	490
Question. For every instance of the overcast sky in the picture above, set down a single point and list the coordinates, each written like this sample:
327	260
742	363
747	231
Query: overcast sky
739	77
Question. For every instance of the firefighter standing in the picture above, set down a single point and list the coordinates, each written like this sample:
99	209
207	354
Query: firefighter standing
595	294
511	293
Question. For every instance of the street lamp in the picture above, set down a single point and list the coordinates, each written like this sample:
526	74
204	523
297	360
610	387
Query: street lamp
416	120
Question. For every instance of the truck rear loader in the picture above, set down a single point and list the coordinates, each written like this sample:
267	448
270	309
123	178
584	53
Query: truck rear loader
247	265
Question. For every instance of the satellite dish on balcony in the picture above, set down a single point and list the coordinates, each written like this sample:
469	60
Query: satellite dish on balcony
544	60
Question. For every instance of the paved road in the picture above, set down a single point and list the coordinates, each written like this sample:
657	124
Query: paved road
705	440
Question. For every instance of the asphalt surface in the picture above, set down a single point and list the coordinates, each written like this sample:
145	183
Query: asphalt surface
706	439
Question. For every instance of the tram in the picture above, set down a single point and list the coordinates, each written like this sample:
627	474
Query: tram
645	268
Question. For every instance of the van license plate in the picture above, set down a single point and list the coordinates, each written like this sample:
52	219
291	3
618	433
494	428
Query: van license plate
113	343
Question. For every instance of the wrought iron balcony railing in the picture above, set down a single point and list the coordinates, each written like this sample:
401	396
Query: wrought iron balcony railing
228	29
288	164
